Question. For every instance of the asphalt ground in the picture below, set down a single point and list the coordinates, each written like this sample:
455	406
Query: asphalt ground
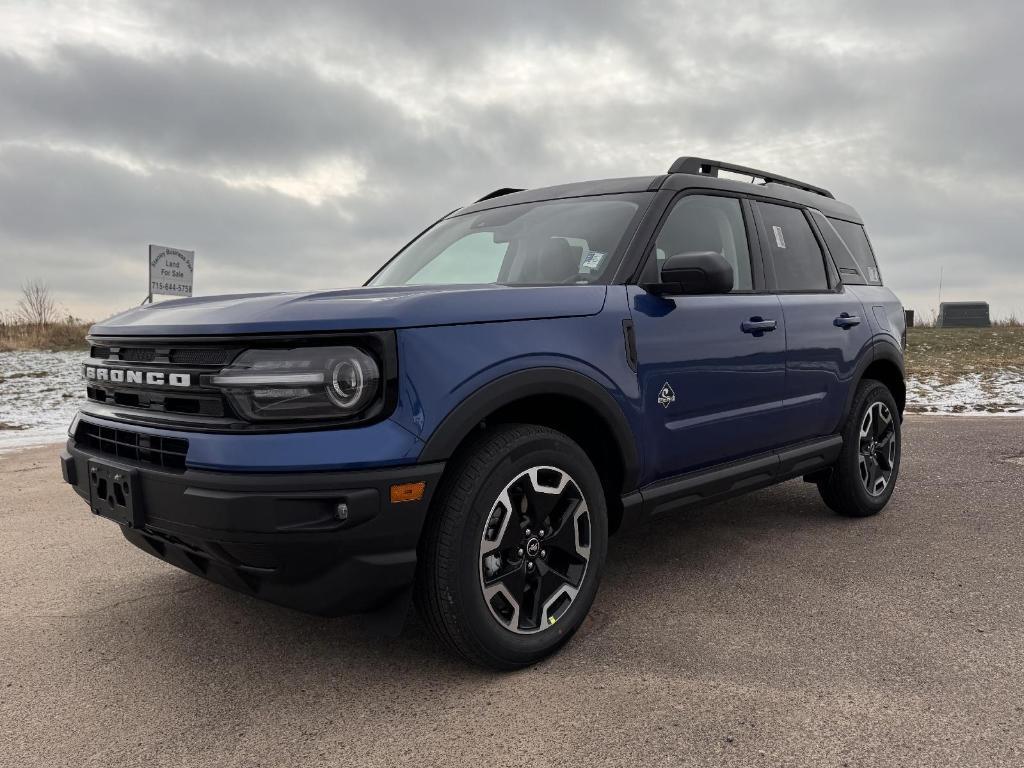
760	631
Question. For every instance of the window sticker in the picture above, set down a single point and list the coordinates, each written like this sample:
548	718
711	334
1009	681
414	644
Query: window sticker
780	241
591	261
872	274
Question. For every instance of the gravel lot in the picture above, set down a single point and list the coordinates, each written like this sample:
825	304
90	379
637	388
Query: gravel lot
762	631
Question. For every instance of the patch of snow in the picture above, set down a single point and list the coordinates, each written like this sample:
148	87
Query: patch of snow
39	395
993	392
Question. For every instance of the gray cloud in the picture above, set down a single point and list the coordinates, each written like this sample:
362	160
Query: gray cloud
298	144
245	239
196	110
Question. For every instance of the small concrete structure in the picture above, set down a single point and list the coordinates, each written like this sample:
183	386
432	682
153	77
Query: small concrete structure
964	314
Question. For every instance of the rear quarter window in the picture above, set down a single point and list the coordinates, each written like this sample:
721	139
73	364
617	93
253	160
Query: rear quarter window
849	271
856	240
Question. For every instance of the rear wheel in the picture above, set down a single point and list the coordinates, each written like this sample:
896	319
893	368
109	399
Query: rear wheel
513	551
862	480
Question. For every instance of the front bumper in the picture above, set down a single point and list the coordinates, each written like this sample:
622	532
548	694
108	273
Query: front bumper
276	536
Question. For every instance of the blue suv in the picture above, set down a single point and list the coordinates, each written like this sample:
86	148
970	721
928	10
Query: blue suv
531	374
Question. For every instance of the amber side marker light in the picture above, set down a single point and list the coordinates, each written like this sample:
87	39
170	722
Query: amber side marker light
407	492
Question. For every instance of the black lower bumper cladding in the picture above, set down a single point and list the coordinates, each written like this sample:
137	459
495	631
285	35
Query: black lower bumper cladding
328	543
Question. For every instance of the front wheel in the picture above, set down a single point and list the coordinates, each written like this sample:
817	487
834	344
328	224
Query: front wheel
512	554
862	480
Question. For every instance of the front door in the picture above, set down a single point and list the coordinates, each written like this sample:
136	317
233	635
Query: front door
711	368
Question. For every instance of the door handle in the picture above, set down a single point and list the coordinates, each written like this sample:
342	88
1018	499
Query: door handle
846	320
758	325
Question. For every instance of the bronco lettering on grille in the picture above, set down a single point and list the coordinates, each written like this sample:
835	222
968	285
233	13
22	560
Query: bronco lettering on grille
130	376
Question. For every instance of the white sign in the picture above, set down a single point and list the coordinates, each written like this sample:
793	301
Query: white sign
170	271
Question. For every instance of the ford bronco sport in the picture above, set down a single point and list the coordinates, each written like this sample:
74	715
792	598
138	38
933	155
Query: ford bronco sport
533	373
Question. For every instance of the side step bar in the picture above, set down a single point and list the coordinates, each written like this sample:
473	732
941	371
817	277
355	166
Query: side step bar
721	482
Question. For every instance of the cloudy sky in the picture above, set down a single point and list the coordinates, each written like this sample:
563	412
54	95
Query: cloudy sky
297	145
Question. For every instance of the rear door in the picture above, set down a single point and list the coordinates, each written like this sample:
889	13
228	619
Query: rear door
711	368
827	329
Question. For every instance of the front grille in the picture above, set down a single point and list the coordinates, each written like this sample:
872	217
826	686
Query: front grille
200	356
217	356
138	354
168	452
195	359
195	404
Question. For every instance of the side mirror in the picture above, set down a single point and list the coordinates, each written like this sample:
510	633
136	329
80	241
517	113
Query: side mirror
693	273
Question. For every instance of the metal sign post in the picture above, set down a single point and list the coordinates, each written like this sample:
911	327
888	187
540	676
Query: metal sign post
171	272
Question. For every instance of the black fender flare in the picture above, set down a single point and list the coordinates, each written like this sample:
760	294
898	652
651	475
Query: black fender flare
882	349
535	381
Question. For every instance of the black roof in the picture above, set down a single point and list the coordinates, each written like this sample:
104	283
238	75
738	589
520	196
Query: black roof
577	189
774	186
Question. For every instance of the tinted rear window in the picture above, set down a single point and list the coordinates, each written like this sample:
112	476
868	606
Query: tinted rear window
799	262
856	240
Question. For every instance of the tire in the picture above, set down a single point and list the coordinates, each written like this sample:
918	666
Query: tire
475	551
866	462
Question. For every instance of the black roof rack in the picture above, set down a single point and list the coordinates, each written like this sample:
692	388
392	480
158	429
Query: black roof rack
499	193
701	166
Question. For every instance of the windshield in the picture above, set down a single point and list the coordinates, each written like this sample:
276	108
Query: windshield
557	242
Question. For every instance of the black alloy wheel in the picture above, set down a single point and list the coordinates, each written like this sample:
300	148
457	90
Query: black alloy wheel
877	448
863	478
535	549
513	548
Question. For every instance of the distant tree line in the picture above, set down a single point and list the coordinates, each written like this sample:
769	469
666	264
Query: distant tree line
38	322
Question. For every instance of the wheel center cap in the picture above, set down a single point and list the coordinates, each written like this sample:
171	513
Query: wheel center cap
533	546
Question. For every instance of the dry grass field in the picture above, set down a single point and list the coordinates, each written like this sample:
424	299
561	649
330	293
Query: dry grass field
966	370
16	336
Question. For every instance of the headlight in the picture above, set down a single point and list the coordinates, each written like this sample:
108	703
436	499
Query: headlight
301	384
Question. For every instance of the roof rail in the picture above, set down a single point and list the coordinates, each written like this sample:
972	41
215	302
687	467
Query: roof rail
498	193
701	166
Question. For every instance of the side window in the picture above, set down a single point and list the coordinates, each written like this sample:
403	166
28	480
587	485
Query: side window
799	262
856	240
475	258
849	272
705	223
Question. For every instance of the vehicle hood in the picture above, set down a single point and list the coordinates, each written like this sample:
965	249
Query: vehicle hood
353	309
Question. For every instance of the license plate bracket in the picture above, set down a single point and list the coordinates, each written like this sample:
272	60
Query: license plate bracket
114	493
